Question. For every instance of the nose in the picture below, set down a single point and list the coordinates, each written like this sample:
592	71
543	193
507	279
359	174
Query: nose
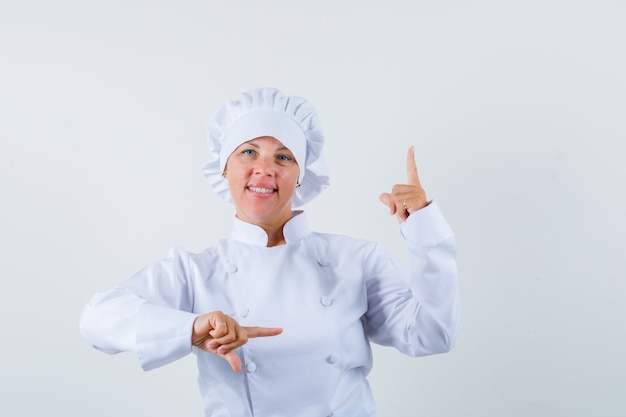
264	166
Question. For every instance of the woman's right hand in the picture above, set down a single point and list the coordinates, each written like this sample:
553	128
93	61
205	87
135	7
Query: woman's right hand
220	334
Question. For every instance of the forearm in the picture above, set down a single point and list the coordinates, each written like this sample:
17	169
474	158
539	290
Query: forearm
433	276
118	320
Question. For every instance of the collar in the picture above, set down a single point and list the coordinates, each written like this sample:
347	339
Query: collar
296	228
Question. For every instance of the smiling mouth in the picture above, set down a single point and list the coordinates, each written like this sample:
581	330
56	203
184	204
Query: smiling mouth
262	190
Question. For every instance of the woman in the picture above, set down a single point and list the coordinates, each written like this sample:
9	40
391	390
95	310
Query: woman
280	317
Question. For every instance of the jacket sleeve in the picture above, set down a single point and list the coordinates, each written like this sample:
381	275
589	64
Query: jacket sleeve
148	314
418	310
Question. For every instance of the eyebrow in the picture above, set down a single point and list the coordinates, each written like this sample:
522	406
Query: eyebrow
282	148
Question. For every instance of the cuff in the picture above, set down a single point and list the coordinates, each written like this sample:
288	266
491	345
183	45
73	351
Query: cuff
426	227
163	335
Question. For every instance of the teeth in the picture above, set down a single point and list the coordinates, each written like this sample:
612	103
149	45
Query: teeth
261	190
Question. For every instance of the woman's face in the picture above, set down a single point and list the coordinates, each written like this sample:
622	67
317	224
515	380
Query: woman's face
262	177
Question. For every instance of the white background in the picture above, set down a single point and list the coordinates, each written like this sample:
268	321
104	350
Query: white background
517	111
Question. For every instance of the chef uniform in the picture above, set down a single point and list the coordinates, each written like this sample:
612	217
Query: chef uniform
331	294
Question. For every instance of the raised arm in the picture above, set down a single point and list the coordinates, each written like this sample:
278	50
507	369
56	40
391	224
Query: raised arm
417	310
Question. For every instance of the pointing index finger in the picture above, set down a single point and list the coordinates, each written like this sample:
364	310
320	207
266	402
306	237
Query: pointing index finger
411	168
263	331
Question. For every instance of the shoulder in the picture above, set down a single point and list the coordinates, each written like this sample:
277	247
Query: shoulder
187	260
346	245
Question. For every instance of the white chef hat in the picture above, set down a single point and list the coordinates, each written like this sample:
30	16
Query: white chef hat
267	112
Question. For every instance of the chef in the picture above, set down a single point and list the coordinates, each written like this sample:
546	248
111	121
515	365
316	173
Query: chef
281	317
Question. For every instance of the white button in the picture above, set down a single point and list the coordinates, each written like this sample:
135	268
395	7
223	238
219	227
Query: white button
232	268
251	367
326	301
322	261
244	312
331	359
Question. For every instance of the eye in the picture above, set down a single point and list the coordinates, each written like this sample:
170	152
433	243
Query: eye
285	158
248	152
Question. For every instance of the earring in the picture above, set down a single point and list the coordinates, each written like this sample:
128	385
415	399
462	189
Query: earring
298	185
224	174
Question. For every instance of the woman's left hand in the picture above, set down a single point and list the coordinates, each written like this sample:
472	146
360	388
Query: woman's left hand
406	199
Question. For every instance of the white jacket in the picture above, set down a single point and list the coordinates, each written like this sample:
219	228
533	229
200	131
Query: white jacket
331	294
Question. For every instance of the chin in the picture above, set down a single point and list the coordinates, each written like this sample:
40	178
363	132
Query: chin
265	214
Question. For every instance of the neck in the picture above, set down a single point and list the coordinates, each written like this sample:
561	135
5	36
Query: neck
273	229
276	238
275	235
